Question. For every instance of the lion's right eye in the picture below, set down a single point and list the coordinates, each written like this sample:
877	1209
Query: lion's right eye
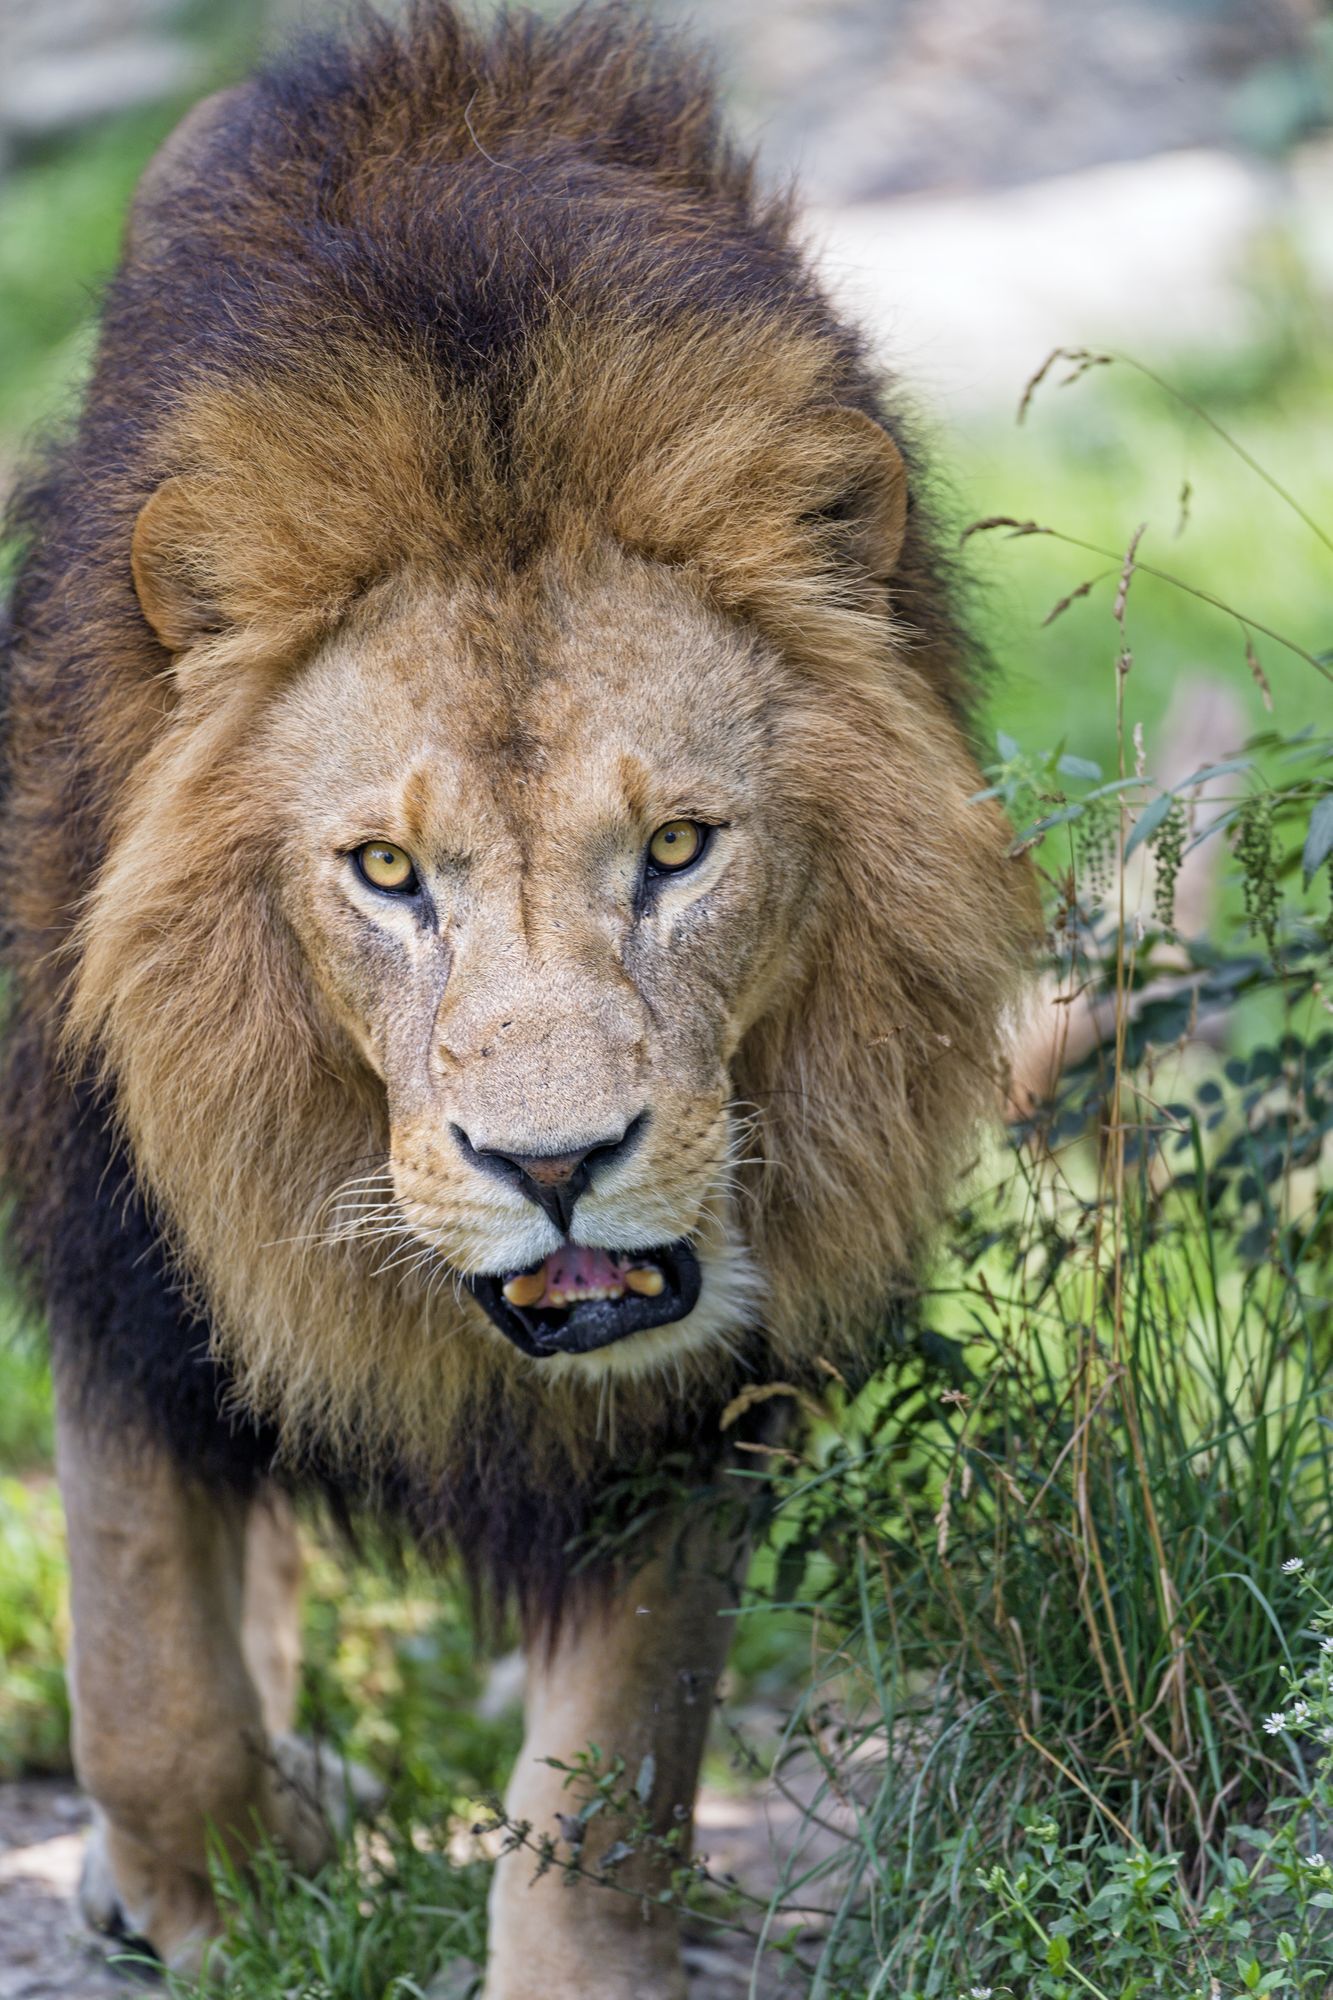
676	846
387	867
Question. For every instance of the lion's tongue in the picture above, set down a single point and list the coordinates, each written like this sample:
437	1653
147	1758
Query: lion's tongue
577	1271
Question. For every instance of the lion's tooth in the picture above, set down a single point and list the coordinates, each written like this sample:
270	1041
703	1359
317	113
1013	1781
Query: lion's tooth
526	1291
648	1282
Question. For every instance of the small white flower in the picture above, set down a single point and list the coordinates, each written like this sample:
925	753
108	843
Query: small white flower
1292	1564
1326	1645
1315	1860
979	1992
1299	1711
1275	1723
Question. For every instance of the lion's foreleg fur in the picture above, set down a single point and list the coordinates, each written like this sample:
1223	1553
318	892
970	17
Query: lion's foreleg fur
172	1735
636	1677
271	1608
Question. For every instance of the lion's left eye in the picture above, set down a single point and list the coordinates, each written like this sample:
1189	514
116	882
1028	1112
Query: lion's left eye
676	845
387	867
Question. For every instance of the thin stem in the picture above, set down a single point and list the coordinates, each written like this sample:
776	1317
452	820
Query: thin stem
1020	528
1232	443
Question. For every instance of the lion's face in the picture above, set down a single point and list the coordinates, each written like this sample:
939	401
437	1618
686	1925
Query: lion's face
404	1000
542	853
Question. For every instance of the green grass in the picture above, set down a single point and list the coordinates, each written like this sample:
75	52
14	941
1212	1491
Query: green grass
34	1716
26	1421
60	227
393	1674
62	214
386	1921
1052	1572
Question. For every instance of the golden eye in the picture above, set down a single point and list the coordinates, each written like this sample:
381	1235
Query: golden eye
675	845
385	866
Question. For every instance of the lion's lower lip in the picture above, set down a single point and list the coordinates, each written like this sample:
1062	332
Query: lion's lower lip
592	1323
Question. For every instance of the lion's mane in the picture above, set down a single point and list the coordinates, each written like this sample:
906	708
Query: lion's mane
435	296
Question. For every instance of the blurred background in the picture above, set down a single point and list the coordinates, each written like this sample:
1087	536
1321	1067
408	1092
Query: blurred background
985	181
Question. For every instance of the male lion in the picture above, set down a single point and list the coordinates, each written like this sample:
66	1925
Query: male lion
500	949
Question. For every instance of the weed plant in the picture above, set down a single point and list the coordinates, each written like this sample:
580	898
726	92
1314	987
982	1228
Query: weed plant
1070	1718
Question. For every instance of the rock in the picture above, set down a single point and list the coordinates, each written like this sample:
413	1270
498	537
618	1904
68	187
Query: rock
50	93
878	97
968	293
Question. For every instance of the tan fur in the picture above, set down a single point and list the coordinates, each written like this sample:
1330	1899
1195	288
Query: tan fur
172	1735
814	1020
271	1609
638	1680
855	1011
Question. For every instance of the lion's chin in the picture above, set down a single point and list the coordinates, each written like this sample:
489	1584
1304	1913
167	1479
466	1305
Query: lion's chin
545	1311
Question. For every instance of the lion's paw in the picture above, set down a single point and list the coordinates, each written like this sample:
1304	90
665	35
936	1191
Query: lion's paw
147	1904
99	1901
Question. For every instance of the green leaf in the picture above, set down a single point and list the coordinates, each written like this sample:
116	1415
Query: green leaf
1057	1953
1078	767
1148	821
1115	785
1059	818
1319	840
643	1784
1207	771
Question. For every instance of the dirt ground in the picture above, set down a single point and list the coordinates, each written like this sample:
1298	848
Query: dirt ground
46	1954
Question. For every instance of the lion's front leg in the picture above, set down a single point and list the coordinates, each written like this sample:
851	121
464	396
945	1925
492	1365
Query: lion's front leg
172	1733
635	1677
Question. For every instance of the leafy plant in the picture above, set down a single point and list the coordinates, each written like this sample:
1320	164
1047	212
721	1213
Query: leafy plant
34	1714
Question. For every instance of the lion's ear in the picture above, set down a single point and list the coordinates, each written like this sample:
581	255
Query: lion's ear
169	566
868	504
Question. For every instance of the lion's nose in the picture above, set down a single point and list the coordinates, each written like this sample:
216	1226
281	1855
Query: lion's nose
553	1180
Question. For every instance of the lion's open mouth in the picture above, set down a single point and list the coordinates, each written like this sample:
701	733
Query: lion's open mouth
580	1298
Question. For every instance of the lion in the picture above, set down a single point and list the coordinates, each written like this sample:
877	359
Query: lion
502	950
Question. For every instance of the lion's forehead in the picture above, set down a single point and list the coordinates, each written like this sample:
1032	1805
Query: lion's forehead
612	696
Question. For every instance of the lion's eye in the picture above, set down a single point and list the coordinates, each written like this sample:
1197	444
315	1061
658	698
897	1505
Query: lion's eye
675	845
386	867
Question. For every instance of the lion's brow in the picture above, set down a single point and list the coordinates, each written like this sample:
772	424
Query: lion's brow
415	803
